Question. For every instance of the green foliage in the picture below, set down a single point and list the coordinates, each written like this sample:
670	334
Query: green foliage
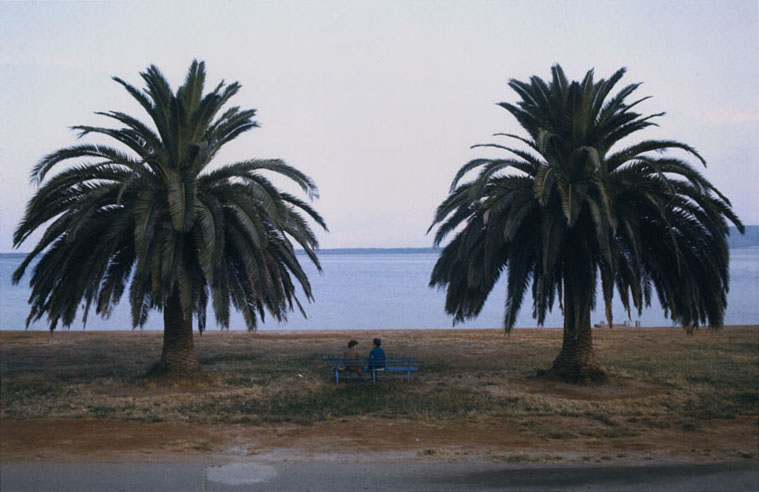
572	203
155	218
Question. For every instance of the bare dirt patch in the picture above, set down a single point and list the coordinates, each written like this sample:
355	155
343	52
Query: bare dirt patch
66	440
615	388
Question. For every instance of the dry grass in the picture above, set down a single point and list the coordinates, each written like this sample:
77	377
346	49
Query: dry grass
661	382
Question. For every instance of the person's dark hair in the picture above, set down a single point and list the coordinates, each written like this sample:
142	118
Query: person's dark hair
377	342
352	343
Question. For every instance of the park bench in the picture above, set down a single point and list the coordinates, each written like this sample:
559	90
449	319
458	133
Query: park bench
400	365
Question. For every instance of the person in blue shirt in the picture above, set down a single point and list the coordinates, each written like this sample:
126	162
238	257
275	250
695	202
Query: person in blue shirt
377	356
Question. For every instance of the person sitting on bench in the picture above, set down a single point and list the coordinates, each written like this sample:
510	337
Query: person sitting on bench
377	356
352	355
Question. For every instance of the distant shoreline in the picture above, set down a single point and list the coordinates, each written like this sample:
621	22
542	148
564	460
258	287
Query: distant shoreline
366	251
326	251
735	240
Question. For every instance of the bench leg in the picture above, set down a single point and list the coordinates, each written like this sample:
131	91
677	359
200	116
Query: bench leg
374	377
337	376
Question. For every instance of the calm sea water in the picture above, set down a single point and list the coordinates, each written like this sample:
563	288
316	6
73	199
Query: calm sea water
381	290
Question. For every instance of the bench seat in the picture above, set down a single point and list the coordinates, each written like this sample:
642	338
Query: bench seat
405	365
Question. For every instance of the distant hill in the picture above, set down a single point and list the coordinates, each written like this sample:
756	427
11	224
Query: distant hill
750	239
736	240
359	251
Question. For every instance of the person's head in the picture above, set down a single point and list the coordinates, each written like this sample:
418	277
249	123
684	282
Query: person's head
352	344
377	342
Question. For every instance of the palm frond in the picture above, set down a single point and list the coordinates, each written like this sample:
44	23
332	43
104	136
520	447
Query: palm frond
152	219
648	223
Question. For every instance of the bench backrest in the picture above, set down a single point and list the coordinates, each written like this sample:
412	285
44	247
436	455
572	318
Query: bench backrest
407	361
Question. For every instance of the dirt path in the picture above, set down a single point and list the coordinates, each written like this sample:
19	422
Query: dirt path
493	439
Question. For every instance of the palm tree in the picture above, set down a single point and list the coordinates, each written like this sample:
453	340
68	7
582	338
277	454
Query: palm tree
150	213
570	204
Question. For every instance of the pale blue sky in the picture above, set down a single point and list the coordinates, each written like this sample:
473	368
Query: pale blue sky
379	101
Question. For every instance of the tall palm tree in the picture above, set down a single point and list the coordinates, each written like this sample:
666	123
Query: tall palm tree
150	213
570	203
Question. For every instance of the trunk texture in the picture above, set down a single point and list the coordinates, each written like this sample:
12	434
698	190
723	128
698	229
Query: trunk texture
576	363
178	358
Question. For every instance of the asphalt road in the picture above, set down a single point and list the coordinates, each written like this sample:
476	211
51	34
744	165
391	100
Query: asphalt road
316	476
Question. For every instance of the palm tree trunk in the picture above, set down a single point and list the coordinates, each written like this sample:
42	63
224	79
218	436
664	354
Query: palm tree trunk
178	358
576	363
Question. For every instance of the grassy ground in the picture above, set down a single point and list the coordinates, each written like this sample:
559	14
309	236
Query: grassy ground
662	383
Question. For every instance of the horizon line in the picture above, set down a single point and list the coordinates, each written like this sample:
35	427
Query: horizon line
361	248
319	250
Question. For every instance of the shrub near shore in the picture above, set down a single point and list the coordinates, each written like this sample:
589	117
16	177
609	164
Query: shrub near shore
660	380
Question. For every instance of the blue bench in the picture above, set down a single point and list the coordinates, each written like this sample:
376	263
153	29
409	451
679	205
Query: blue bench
405	365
